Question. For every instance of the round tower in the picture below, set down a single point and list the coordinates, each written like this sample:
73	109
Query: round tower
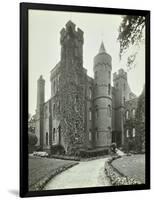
102	98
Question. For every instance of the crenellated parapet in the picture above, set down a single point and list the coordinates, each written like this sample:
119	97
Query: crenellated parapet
121	74
70	30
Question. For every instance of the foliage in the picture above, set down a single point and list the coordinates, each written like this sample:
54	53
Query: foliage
113	147
32	139
130	34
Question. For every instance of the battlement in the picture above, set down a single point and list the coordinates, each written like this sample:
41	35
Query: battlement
71	27
121	74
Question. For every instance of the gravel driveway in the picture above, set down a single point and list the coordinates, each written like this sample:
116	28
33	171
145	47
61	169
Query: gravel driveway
85	174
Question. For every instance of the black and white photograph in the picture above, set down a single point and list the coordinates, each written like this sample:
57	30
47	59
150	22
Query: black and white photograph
86	100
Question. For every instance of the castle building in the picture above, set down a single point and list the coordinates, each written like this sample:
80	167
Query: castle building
83	112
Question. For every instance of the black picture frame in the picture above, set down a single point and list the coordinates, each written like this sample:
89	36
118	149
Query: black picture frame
24	7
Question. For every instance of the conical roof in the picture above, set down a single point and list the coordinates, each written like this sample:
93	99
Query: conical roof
102	48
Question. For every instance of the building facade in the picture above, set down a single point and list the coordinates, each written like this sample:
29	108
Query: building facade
83	112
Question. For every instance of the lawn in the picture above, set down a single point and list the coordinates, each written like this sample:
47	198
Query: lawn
133	166
42	167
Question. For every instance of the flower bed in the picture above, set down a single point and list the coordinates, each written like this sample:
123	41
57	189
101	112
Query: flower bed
116	177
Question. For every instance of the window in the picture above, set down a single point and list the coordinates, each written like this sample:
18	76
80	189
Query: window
133	134
133	113
47	138
109	110
127	114
109	89
96	112
54	134
58	79
127	133
54	86
58	106
97	134
124	100
90	114
90	93
90	135
54	110
109	75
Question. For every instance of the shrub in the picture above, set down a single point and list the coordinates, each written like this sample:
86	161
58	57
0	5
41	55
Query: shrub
32	139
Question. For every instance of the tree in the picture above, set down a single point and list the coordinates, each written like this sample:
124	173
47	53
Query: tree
131	34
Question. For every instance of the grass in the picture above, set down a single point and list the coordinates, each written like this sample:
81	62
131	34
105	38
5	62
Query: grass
132	166
39	168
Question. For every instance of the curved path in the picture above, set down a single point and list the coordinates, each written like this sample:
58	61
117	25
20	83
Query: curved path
85	174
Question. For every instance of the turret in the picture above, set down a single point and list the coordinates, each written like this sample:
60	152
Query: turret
102	98
39	110
40	91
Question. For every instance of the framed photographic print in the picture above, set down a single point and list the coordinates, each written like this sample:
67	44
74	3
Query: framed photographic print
84	99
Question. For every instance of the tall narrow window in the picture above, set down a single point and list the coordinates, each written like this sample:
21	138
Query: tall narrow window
96	112
90	114
90	135
109	110
133	113
76	100
109	89
54	86
133	134
97	134
96	75
127	133
54	134
127	114
90	93
47	138
54	110
109	75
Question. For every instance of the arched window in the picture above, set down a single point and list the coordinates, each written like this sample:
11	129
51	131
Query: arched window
134	132
109	111
109	89
54	110
47	138
90	114
127	114
127	133
54	134
133	113
90	135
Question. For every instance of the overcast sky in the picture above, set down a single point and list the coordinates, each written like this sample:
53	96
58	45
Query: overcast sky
44	47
